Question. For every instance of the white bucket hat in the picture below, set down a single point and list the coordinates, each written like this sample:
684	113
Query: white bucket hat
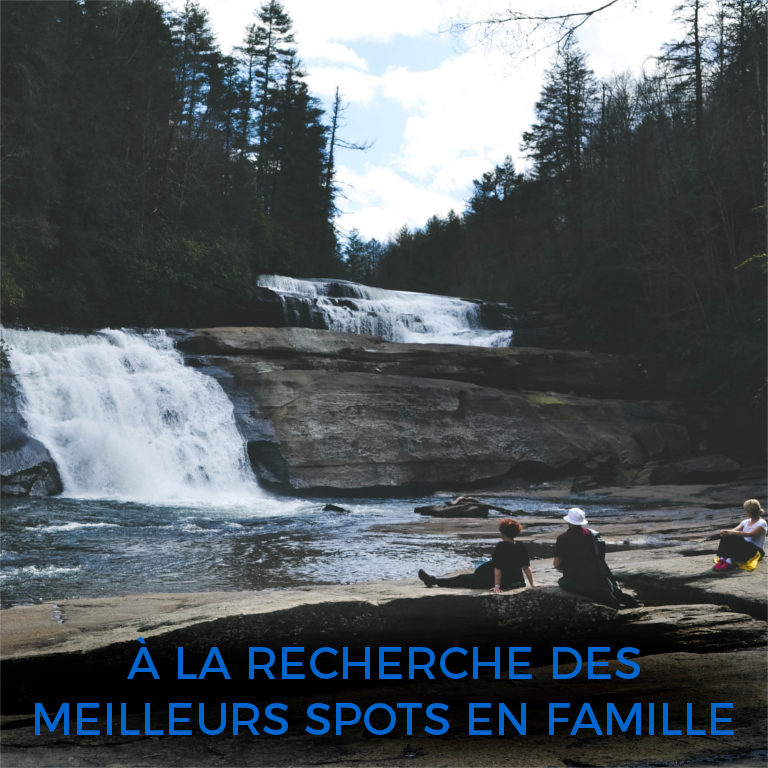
575	516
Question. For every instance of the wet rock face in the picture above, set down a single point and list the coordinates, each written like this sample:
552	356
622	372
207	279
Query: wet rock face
26	466
355	431
347	411
354	412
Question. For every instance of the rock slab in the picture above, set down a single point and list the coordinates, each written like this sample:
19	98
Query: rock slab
359	414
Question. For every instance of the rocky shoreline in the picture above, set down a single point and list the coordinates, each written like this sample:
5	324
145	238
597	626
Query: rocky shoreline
701	639
692	654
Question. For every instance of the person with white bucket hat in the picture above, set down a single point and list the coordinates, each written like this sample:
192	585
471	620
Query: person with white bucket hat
578	556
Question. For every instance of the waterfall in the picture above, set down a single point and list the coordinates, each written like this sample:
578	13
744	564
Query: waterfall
124	418
401	316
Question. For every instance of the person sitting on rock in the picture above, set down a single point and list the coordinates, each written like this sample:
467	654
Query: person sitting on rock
742	543
584	570
504	571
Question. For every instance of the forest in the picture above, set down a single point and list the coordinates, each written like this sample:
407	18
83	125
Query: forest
148	179
643	213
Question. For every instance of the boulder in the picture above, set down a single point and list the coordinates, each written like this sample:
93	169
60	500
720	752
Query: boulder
658	474
26	466
714	468
667	440
334	508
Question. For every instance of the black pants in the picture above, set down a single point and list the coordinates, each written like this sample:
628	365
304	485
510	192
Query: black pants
738	549
599	588
483	578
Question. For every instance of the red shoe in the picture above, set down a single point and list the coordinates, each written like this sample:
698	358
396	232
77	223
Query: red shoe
718	566
728	566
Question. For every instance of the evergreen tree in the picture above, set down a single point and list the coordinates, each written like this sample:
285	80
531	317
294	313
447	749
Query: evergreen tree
294	191
565	113
128	197
355	256
269	52
494	187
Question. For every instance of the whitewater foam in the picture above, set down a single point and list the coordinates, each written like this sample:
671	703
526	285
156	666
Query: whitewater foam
33	571
399	316
125	419
61	527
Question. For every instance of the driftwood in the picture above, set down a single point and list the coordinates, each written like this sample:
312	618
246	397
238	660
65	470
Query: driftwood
462	506
453	510
477	502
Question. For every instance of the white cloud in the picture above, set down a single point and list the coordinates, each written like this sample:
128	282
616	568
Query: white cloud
460	118
316	22
355	20
381	201
465	109
333	52
358	87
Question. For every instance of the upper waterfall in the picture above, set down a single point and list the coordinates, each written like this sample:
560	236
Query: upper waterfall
401	316
123	418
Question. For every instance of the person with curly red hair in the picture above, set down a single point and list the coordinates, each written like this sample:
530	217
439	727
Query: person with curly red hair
504	571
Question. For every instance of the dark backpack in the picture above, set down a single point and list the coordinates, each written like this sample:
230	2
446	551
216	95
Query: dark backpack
598	545
624	599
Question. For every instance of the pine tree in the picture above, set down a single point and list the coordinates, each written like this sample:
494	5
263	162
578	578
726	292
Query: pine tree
197	58
294	190
355	256
687	60
494	187
268	50
565	113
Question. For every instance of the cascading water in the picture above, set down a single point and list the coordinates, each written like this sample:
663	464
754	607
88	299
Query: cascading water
123	418
401	316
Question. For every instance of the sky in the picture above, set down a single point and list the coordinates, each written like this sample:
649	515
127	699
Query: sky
440	110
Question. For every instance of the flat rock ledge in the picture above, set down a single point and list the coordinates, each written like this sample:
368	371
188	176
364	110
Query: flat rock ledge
359	614
92	641
686	573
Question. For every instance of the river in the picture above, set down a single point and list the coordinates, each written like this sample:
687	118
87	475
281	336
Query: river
159	494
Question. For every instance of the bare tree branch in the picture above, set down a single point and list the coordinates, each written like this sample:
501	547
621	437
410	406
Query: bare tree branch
527	31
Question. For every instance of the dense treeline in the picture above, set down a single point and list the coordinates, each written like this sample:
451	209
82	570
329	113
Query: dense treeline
645	199
147	177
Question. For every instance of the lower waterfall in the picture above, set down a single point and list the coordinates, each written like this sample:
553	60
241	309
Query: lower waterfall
124	418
